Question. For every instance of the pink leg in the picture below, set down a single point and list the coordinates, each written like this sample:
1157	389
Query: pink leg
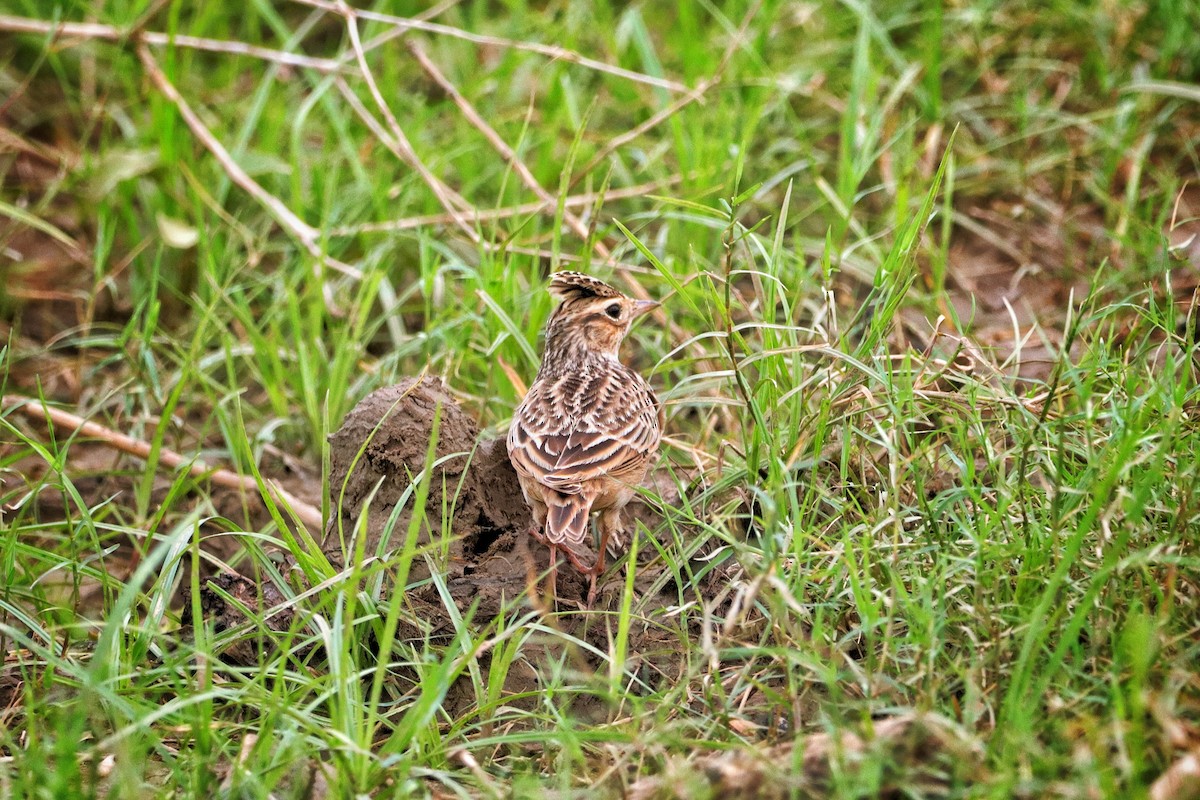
596	571
606	527
591	600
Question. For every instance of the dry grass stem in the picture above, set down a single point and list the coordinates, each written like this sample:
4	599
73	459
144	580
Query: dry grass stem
396	33
308	515
551	51
494	214
112	33
550	255
692	95
399	144
451	200
308	236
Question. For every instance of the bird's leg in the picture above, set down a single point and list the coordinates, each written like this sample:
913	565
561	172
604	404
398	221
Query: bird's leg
535	530
608	523
591	598
597	569
553	573
602	552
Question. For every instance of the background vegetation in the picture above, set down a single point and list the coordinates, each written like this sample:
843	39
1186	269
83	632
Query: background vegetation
929	334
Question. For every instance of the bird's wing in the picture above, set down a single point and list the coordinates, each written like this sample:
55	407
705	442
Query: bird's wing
583	426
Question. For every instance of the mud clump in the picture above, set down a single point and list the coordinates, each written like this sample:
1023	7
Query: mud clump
474	504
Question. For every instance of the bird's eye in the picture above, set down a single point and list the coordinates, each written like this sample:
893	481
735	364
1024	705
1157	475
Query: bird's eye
614	311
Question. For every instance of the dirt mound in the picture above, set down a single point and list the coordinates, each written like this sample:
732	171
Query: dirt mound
474	502
478	539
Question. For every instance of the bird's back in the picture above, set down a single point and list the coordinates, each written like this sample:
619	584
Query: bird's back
583	435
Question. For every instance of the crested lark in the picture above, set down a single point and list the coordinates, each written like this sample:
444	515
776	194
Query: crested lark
586	432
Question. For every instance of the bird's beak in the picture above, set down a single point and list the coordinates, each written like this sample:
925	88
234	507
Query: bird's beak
642	306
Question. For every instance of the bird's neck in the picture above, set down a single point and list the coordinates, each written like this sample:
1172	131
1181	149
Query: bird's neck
568	351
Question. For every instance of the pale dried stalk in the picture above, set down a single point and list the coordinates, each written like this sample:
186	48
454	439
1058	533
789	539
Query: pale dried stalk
493	214
500	146
308	515
550	255
396	33
617	142
551	51
678	334
95	30
308	236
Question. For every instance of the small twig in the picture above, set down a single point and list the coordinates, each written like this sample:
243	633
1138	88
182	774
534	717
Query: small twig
497	143
551	51
493	214
396	33
308	236
147	14
659	314
308	515
95	30
47	154
550	255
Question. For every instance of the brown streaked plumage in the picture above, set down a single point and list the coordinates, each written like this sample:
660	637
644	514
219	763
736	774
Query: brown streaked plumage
586	432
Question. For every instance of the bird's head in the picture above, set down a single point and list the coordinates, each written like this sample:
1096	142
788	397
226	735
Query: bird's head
591	314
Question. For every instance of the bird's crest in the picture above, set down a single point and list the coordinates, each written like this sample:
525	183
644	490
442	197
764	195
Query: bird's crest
577	286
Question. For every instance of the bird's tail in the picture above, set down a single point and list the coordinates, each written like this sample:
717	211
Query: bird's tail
567	522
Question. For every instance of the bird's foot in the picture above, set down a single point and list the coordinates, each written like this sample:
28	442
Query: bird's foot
584	561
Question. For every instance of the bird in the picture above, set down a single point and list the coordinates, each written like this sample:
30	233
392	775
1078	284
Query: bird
589	427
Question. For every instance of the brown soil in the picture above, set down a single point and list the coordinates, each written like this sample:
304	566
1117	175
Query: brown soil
11	687
386	439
